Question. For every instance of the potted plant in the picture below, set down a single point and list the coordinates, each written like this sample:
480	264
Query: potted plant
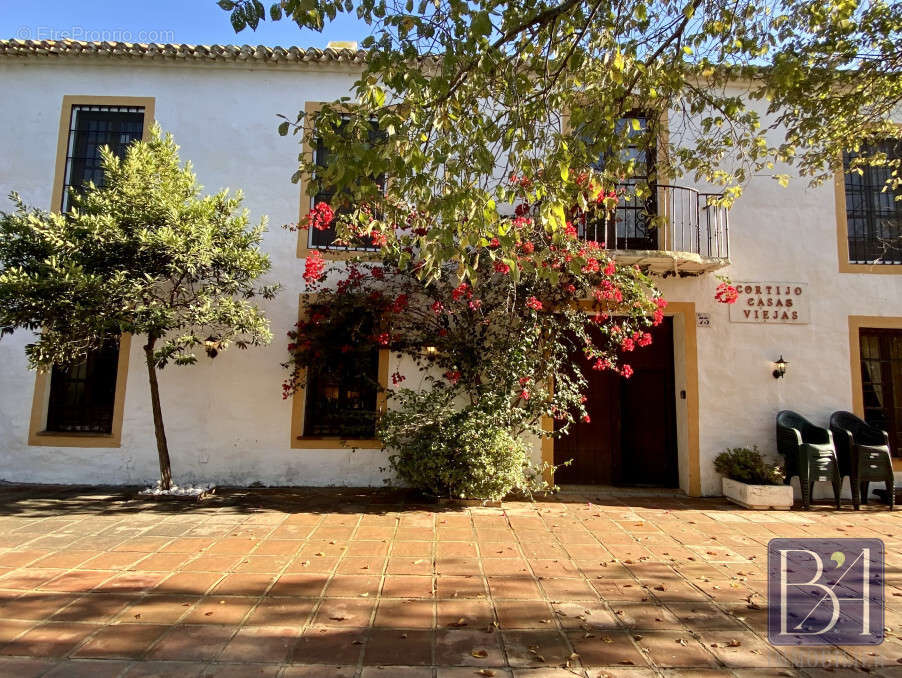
750	481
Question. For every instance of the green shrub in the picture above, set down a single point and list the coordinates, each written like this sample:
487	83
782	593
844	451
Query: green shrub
747	466
456	453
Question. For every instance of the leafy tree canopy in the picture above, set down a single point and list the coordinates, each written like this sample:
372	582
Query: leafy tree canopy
467	94
144	254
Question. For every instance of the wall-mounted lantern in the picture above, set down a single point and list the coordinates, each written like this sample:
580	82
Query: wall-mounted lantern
780	367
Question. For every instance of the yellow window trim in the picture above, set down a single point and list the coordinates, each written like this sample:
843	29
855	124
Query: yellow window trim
842	231
301	442
687	310
856	323
37	436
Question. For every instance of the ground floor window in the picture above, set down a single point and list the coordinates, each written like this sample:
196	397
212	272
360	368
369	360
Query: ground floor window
342	400
881	381
82	397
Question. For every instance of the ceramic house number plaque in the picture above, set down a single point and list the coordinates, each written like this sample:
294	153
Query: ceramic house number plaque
773	303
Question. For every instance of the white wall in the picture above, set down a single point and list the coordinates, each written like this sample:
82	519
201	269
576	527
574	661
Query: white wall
226	421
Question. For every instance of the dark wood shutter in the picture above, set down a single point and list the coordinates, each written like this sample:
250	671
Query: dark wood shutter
881	382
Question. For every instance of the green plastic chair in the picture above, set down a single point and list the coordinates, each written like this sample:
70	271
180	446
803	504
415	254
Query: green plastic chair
864	456
809	454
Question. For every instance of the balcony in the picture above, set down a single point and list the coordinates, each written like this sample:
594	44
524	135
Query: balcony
692	239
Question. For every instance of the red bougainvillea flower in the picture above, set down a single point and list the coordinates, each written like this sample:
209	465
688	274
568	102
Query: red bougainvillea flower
524	394
501	267
474	304
494	242
397	378
314	266
610	269
586	418
383	338
626	371
523	381
601	364
527	247
452	375
627	344
644	338
320	217
461	291
400	303
533	303
437	307
726	294
570	230
379	239
591	265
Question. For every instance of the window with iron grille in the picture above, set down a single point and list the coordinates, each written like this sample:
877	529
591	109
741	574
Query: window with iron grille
325	239
873	215
82	397
341	400
90	129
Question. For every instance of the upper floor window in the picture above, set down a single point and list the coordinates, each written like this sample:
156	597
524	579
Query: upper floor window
90	129
873	215
325	239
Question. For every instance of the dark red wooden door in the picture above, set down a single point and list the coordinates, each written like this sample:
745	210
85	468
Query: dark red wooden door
631	436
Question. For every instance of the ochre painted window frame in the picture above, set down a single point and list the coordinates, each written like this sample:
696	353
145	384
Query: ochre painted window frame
37	436
686	309
842	231
299	401
856	323
311	108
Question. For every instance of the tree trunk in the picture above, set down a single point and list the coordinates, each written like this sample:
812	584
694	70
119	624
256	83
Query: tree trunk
162	447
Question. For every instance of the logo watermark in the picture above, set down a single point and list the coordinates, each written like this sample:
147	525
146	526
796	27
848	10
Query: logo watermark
86	34
825	591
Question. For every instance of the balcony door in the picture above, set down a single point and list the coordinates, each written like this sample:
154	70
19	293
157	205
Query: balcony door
631	225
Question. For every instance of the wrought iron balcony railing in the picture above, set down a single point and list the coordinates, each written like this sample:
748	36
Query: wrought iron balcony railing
688	222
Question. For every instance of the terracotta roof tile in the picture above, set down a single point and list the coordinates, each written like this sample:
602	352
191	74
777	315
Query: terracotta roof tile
179	52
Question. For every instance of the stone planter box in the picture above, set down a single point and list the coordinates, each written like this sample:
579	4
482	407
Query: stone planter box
758	496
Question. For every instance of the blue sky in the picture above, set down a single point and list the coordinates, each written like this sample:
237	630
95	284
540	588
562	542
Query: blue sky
184	21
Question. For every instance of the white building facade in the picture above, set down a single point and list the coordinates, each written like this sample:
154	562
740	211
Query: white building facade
802	296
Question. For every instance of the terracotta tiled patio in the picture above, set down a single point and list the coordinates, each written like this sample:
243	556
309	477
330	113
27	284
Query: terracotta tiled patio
366	584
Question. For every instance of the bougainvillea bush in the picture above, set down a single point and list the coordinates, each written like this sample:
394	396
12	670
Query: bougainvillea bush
493	343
